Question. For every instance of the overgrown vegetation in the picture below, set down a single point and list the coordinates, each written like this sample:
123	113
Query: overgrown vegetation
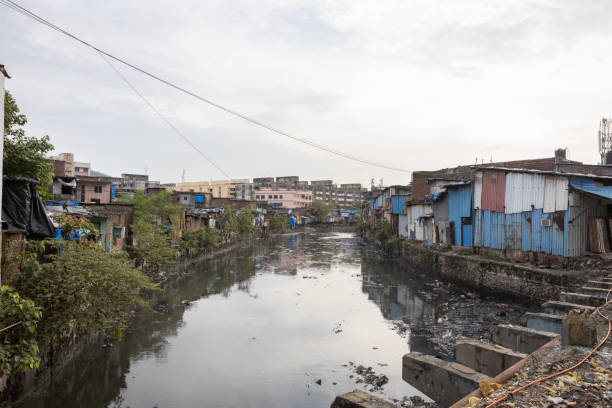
321	209
83	289
19	318
155	218
202	239
25	156
384	234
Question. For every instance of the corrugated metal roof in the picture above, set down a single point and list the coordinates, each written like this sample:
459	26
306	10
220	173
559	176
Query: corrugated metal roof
590	186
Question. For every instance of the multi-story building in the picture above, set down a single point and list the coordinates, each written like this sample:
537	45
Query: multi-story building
218	188
82	169
285	198
263	182
244	191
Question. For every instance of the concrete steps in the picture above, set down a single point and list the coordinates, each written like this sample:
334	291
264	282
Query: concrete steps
599	284
607	279
443	381
587	290
543	322
519	338
489	359
562	308
581	298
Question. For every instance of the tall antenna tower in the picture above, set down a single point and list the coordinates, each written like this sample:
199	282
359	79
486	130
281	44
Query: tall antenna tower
605	140
183	177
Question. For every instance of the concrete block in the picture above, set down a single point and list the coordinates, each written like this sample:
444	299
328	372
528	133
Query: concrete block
359	399
442	381
599	284
587	290
521	339
543	321
489	359
561	308
581	298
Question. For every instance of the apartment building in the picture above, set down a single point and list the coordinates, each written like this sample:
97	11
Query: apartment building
285	198
218	188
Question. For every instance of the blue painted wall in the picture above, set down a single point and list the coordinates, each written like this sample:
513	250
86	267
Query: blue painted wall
398	204
460	205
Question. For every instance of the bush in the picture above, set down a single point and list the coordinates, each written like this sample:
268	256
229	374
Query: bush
18	321
85	289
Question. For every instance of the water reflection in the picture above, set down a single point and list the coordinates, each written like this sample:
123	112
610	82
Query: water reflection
256	327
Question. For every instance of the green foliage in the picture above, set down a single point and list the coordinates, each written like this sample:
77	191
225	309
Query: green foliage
279	223
244	223
362	226
154	218
321	209
228	222
152	246
204	238
25	156
155	209
18	347
83	289
386	236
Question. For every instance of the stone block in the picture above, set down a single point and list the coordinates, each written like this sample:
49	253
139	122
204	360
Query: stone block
561	308
359	399
489	359
543	321
581	298
444	382
519	338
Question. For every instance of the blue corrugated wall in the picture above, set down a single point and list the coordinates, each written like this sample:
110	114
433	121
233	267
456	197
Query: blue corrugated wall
522	231
398	204
460	205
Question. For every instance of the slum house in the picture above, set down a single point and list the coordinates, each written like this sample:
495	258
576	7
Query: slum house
538	215
189	199
23	215
93	190
232	204
112	220
198	218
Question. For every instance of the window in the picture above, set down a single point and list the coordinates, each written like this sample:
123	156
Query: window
97	189
275	196
269	196
280	196
184	198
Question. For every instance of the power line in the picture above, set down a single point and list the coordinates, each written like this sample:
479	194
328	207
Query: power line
16	7
162	117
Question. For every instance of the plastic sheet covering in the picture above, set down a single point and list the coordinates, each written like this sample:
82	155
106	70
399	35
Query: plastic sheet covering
22	208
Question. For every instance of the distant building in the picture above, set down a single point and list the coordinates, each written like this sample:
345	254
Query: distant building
218	188
244	191
285	198
263	182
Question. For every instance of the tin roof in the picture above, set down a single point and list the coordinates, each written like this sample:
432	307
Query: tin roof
589	186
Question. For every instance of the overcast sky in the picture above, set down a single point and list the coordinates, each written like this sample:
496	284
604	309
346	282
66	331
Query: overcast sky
415	84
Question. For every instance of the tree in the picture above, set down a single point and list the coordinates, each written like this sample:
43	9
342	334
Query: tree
25	156
321	209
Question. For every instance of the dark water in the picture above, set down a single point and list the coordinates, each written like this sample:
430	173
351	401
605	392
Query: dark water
263	325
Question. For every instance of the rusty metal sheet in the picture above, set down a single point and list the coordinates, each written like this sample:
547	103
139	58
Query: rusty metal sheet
493	191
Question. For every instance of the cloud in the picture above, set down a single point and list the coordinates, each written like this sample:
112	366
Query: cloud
419	84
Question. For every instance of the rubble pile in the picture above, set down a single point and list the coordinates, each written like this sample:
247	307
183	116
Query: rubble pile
589	385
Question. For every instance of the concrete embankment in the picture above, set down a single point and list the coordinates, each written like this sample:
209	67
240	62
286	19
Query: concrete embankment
487	274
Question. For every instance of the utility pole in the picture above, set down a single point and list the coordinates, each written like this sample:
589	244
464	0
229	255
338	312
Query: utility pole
3	74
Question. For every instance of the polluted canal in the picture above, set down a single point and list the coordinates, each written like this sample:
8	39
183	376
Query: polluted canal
286	322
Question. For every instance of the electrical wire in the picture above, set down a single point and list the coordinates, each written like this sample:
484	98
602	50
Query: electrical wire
8	327
558	373
162	117
16	7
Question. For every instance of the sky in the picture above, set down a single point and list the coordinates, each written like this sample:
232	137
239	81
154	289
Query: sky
412	84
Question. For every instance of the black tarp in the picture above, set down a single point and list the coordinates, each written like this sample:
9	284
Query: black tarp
22	208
